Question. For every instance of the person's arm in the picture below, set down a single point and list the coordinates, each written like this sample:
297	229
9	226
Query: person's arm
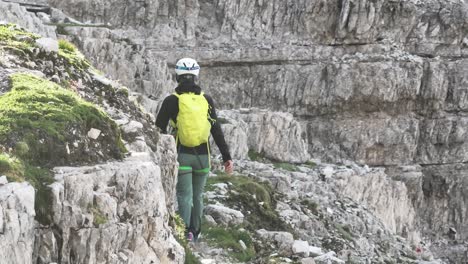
218	137
169	109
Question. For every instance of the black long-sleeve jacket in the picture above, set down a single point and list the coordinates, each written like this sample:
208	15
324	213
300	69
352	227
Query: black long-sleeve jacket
170	109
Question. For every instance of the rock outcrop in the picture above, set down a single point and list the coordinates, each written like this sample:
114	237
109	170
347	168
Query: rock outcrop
16	222
111	213
274	135
14	13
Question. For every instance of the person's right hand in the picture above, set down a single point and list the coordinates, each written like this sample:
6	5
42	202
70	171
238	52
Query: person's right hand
229	166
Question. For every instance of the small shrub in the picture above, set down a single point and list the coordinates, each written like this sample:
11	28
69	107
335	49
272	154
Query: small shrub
40	178
178	225
258	191
66	46
70	53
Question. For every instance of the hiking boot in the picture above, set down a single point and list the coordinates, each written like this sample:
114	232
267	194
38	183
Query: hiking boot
190	237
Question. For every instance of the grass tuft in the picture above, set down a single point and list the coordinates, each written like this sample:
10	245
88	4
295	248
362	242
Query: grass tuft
228	238
177	223
66	46
69	52
98	217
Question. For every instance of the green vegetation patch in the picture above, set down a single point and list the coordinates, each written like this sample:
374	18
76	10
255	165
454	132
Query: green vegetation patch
255	156
256	200
98	217
310	164
12	167
177	224
13	36
69	52
38	115
229	239
17	170
285	166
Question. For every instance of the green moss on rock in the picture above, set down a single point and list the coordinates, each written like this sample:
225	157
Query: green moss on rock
69	52
229	239
46	117
14	37
12	167
256	200
18	170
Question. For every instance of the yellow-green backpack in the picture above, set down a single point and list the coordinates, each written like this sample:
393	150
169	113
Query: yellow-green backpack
193	126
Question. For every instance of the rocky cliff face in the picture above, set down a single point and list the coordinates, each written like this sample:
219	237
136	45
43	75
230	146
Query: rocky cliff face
117	209
16	221
116	202
381	83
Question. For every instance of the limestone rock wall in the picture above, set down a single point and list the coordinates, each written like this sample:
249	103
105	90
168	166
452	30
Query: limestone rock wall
330	63
274	135
14	13
389	199
16	222
344	21
112	213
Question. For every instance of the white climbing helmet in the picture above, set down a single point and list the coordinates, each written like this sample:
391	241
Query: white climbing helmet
187	66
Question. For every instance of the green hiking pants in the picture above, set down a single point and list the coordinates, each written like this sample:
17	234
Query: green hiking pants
191	179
